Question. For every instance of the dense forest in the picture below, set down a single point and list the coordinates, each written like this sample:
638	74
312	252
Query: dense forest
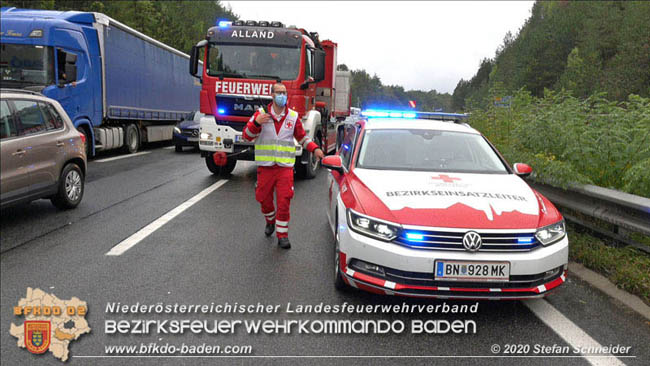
369	92
171	22
584	47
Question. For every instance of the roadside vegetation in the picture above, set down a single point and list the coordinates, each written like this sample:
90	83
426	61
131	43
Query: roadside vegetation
570	96
624	266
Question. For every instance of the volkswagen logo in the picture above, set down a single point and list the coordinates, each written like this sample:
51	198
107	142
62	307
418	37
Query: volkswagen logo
472	241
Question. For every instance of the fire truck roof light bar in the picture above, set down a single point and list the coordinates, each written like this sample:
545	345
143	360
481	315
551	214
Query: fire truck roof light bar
224	24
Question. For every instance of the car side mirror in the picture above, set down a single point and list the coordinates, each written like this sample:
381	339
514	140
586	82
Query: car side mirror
333	162
522	170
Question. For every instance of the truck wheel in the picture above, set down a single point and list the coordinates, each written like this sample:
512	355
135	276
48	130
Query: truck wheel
71	188
220	170
131	139
339	283
89	143
309	170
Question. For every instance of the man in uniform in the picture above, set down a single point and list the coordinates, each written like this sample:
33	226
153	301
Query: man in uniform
273	133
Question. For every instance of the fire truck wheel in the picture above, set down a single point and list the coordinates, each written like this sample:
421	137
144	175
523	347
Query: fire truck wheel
220	170
309	170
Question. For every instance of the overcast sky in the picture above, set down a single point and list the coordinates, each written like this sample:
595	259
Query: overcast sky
419	45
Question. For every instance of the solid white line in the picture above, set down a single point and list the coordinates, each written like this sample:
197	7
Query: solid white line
169	147
569	331
122	157
326	356
134	239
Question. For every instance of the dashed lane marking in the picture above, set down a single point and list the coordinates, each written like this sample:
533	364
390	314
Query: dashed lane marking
134	239
122	157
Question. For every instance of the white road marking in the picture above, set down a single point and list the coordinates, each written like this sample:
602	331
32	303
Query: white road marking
122	157
169	147
134	239
569	331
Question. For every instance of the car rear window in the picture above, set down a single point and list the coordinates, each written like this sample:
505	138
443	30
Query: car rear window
7	128
30	117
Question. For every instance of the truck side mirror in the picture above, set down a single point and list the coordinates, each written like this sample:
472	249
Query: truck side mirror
319	65
70	73
194	62
194	58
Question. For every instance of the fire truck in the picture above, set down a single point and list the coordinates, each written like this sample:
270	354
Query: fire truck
241	61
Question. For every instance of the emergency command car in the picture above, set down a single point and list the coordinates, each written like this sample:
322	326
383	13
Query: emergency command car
421	205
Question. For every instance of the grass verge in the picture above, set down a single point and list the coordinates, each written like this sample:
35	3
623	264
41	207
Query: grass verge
626	267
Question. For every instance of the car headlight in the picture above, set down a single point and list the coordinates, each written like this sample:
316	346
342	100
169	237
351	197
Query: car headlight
206	136
369	226
550	234
177	130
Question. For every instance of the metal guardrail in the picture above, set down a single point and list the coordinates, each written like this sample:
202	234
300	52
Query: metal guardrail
626	212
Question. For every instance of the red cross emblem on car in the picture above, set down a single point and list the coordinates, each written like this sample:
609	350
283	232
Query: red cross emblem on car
445	178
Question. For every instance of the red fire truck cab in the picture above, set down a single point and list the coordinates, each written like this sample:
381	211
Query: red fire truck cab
241	61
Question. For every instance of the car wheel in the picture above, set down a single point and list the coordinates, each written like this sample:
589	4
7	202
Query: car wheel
224	170
339	283
178	148
71	188
132	139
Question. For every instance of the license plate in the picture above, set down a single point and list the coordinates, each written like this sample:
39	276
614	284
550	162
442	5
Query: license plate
472	271
192	139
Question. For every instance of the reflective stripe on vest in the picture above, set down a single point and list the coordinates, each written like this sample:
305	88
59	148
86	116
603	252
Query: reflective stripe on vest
273	148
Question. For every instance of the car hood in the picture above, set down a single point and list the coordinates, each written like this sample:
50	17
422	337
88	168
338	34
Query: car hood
461	200
189	124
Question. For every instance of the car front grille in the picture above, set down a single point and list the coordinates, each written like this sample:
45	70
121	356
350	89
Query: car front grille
453	240
190	132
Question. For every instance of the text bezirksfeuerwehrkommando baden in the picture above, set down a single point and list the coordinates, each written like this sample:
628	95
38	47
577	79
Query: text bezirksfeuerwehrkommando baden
289	308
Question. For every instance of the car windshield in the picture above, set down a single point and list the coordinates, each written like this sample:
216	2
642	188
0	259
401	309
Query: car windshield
25	65
246	61
428	150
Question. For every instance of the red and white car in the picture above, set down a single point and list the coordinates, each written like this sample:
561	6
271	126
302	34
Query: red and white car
429	208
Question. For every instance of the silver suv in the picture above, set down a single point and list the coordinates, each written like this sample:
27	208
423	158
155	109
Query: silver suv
43	155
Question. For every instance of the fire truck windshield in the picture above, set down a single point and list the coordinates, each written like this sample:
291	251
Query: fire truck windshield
247	61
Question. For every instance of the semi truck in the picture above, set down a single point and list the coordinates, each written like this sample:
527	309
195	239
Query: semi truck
241	62
120	87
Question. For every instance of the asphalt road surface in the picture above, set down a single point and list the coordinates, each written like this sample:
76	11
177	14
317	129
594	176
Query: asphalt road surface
214	251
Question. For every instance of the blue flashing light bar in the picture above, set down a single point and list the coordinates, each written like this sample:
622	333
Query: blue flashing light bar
224	23
414	236
377	113
221	111
525	240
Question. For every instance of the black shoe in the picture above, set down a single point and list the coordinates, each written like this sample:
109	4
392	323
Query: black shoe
284	243
269	229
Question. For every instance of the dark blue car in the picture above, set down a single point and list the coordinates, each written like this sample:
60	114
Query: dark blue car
186	133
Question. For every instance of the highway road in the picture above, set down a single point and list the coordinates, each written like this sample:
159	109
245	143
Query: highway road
214	251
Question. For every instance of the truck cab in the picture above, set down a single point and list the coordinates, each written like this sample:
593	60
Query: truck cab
53	53
241	62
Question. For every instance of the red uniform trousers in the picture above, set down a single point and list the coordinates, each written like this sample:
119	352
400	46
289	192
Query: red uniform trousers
280	179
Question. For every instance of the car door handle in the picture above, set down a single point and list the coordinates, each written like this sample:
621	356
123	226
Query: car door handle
59	144
18	153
